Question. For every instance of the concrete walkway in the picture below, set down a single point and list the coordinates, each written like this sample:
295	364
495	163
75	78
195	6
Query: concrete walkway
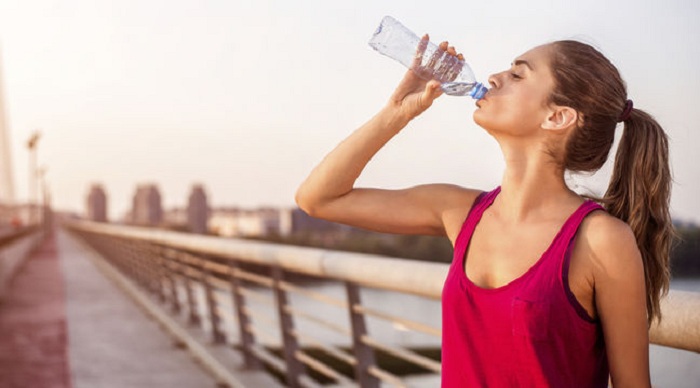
63	324
111	342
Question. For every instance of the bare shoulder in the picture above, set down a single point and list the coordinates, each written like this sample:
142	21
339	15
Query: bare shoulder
609	243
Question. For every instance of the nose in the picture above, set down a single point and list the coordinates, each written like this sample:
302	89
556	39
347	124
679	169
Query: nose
494	81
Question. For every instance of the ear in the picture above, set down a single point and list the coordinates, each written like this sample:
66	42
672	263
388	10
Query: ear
560	118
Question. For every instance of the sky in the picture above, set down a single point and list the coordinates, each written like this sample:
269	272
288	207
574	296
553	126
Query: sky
245	97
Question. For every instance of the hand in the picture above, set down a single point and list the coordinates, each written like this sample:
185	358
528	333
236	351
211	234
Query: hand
414	94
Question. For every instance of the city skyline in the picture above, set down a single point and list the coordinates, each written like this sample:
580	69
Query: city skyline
246	97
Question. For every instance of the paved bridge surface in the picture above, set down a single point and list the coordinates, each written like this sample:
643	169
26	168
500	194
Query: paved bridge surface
63	324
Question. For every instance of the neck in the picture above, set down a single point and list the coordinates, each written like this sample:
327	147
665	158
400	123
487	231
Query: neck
533	184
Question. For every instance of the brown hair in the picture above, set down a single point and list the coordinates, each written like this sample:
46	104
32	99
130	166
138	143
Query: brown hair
640	185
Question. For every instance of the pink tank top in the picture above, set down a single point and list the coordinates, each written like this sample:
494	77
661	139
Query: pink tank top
531	332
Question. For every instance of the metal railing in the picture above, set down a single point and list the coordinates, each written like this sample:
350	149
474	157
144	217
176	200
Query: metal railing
249	294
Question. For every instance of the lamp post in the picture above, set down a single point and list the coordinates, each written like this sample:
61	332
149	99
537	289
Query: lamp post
32	144
43	194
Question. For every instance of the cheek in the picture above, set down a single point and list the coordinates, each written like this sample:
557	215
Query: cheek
513	115
500	119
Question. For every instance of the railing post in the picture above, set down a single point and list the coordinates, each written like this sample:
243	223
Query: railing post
295	369
156	270
135	264
122	252
170	269
363	352
218	336
246	336
191	302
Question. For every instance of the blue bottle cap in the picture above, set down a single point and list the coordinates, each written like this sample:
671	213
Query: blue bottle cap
478	91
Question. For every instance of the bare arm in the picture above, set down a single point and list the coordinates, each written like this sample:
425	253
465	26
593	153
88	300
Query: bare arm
329	191
620	297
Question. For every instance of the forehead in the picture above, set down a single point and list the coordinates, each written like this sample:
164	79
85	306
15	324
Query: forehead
537	57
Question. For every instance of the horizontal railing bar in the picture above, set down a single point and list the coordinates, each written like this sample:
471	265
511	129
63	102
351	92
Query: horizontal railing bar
267	357
188	259
680	324
404	354
386	376
308	382
417	326
322	368
299	313
679	329
219	284
253	278
190	272
313	295
415	277
217	268
339	354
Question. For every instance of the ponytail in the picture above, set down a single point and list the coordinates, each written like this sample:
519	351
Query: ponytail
639	194
640	185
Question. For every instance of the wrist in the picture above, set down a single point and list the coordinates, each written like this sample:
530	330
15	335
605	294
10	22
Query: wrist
393	117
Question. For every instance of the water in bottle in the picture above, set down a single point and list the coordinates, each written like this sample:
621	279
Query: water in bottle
426	59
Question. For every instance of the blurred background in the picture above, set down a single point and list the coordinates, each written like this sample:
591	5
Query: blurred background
205	115
245	97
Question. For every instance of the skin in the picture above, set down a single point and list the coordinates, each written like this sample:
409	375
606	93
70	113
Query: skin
606	272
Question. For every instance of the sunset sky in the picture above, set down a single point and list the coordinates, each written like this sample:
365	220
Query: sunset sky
246	97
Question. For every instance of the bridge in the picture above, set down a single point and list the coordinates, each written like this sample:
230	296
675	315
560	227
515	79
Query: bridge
96	304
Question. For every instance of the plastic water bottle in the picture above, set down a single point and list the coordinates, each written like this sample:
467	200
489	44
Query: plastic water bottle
396	41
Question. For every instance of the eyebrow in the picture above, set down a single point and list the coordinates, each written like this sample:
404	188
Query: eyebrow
523	62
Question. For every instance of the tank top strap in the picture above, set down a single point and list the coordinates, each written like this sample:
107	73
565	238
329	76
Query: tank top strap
568	231
481	203
559	252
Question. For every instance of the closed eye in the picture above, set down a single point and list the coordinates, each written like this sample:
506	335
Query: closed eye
515	76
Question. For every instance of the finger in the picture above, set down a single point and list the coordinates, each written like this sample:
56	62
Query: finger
442	73
435	58
446	71
443	70
454	66
431	92
420	51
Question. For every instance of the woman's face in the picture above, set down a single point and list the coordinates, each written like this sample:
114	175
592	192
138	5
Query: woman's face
517	103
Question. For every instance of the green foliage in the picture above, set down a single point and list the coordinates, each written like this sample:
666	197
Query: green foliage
685	256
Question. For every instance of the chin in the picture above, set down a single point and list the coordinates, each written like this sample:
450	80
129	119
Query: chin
480	120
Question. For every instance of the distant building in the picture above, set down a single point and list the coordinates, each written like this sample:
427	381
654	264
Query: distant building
97	204
175	218
234	222
197	210
147	209
296	221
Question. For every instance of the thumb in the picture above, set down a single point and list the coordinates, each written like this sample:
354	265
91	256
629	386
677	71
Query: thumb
431	92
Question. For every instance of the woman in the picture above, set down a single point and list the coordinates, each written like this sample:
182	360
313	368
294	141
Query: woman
513	315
